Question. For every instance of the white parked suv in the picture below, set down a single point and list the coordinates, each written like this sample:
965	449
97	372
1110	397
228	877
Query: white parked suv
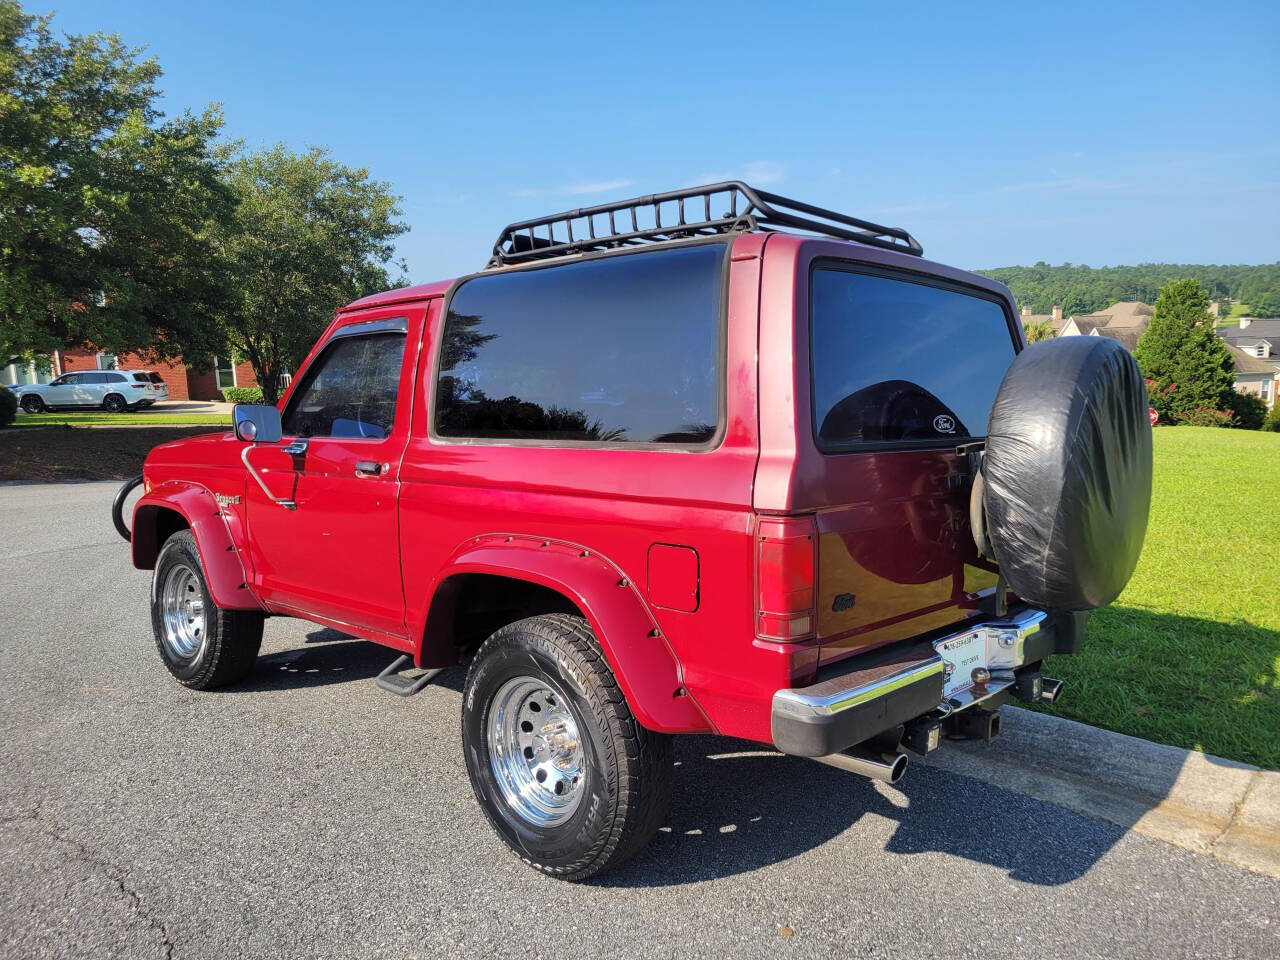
110	390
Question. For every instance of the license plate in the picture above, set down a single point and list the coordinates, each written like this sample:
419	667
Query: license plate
962	654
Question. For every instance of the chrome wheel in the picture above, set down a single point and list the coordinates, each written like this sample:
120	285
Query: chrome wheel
535	751
182	612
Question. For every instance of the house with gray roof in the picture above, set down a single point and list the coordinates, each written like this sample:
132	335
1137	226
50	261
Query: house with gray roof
1255	348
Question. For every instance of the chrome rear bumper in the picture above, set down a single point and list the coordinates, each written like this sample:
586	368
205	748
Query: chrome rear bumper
872	694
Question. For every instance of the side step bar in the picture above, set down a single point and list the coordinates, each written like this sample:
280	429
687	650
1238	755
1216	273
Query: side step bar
391	680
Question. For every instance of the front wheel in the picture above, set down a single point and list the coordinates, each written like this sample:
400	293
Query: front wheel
32	404
564	772
201	644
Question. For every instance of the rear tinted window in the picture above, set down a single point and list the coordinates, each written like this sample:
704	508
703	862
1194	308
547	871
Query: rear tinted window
156	378
902	362
142	377
618	349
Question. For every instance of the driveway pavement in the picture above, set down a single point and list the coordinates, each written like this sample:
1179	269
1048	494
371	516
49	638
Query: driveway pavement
307	813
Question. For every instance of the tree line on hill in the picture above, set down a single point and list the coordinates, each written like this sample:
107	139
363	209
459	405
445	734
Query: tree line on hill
1188	370
1080	289
131	232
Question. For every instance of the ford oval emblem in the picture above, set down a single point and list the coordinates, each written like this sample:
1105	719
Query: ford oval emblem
944	424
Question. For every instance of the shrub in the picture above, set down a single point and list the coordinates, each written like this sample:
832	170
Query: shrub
8	406
1272	423
1205	417
1249	410
242	394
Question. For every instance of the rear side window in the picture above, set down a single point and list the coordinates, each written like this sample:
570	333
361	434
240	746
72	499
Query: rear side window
142	377
901	362
350	390
622	349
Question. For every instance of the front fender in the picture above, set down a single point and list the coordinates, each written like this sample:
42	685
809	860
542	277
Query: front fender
646	668
219	536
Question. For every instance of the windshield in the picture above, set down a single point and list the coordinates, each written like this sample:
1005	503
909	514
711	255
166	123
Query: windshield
902	361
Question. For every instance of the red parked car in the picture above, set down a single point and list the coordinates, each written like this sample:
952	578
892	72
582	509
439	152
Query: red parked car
711	461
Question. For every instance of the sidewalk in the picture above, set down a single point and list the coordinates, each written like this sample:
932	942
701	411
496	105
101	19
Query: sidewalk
1226	809
193	406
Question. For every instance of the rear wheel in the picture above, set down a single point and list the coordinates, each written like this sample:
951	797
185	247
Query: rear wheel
32	403
201	644
113	403
562	769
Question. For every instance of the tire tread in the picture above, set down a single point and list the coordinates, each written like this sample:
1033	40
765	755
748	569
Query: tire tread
644	759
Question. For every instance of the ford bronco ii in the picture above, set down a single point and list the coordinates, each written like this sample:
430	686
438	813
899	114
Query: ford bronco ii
710	461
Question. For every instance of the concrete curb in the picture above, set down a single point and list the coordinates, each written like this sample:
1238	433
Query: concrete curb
1213	806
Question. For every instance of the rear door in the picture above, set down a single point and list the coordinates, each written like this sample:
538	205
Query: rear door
89	389
904	368
337	554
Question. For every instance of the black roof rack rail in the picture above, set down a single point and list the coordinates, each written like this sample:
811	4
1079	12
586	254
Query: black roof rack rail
639	221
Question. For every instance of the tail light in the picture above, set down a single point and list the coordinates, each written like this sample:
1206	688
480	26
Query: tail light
785	578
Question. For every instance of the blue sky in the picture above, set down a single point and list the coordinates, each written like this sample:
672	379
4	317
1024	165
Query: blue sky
997	133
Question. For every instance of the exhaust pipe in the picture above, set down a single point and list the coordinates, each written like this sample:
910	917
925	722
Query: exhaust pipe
888	767
1051	690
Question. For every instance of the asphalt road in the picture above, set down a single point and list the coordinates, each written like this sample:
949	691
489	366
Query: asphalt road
308	814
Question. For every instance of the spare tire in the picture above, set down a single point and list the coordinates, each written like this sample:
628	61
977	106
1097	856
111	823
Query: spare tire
1067	472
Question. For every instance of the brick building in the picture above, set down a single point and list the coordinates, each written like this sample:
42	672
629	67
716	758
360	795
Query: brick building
183	382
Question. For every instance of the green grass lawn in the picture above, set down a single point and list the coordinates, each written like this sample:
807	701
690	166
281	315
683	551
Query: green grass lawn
1190	652
139	419
1232	319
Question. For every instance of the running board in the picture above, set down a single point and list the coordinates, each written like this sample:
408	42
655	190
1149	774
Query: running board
391	681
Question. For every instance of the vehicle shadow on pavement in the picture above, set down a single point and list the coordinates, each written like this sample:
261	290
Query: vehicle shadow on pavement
739	806
328	657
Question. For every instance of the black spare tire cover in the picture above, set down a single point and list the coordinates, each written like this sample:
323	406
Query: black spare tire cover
1067	472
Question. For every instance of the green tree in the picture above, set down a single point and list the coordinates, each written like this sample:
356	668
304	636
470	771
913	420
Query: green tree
1250	412
1038	330
106	212
1266	304
1186	364
309	235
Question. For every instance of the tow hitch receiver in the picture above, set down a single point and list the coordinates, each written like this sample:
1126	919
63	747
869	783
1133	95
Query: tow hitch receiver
974	724
1036	688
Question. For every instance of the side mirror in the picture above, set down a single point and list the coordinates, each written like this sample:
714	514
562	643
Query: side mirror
257	423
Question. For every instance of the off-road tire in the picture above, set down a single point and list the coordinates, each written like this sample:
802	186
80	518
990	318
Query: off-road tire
629	770
114	403
32	404
228	649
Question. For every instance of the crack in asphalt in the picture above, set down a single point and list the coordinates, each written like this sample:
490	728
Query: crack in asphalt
106	868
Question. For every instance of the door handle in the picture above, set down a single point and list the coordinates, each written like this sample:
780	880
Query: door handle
369	468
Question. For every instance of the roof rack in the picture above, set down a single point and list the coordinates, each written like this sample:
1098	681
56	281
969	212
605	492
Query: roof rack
738	208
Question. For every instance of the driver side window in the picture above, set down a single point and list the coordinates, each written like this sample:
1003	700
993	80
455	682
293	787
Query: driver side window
351	389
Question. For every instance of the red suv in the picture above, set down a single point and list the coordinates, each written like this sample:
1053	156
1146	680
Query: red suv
711	461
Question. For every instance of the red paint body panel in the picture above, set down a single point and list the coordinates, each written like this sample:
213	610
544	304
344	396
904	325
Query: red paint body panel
219	533
668	579
633	642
